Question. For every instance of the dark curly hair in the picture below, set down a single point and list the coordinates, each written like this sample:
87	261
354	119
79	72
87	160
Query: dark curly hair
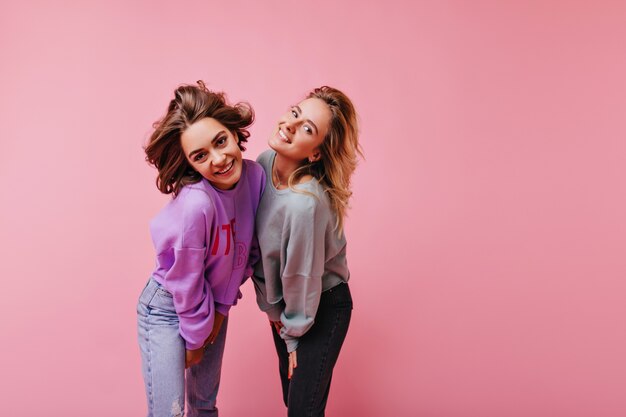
190	104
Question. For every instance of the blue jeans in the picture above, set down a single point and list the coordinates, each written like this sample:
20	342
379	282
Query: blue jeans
306	393
163	360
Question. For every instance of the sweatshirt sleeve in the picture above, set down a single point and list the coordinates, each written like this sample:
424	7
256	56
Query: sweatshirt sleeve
273	311
223	309
193	299
304	266
192	294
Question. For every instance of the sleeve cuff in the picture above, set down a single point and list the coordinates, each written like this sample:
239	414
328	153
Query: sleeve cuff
292	344
193	346
274	312
223	309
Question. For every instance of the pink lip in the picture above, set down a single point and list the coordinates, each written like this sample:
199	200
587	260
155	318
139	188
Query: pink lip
229	172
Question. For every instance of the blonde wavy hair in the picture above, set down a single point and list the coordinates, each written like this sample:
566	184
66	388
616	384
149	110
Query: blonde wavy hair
339	153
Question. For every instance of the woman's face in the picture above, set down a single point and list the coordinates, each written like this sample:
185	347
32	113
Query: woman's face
212	150
302	130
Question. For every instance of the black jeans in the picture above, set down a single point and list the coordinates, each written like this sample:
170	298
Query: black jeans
305	395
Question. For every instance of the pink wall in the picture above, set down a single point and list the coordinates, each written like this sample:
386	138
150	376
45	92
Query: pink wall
488	230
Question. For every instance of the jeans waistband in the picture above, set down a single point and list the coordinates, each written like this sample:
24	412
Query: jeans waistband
338	295
151	288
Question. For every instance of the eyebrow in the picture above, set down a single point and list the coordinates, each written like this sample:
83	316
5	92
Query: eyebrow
308	120
216	137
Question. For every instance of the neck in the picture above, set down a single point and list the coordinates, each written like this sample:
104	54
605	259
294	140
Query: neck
283	168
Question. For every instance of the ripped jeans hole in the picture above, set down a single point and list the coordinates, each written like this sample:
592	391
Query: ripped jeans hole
177	410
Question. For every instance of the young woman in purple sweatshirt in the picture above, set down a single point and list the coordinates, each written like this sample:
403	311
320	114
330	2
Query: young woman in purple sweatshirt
205	247
301	281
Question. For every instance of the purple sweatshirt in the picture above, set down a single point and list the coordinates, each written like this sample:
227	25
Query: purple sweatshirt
206	247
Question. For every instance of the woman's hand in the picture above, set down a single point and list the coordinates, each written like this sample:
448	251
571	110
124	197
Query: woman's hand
293	357
293	363
277	325
193	357
217	325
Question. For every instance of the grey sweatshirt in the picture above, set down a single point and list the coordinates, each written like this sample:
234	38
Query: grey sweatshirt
301	255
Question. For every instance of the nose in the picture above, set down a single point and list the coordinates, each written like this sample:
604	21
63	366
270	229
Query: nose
290	126
218	157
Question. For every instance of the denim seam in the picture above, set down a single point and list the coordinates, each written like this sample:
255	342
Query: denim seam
150	373
323	365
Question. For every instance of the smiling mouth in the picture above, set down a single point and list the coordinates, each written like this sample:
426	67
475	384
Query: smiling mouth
283	136
228	168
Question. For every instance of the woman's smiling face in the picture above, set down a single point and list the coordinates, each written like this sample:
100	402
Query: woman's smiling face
214	152
301	130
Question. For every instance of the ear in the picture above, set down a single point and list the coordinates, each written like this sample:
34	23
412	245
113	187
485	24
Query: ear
315	156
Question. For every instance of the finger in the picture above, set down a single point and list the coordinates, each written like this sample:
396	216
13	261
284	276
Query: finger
293	363
194	361
290	372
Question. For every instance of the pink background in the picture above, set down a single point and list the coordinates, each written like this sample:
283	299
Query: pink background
488	232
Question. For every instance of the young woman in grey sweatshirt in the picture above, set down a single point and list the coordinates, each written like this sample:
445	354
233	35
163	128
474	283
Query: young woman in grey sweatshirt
301	280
